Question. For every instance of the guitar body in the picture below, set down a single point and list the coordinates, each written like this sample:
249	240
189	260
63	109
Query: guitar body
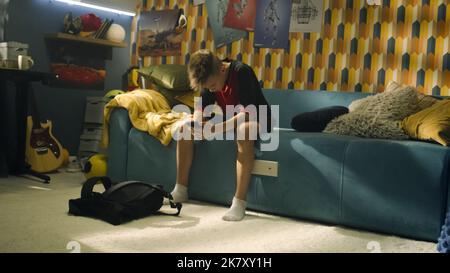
43	152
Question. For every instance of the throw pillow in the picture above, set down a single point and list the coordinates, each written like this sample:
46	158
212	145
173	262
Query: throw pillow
432	123
316	121
170	95
362	124
380	116
188	98
424	101
169	76
391	87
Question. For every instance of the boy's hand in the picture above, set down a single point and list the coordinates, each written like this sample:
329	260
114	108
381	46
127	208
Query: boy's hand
199	132
197	129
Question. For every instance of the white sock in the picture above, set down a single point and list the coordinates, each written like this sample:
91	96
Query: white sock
180	193
236	211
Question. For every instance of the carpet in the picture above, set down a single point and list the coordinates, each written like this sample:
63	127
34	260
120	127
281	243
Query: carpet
33	218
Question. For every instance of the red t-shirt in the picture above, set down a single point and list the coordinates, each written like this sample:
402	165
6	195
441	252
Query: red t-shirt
241	88
229	93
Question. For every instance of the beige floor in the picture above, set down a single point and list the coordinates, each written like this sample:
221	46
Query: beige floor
33	218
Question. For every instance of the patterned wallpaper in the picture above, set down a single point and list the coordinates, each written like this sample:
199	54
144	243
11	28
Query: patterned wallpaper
360	48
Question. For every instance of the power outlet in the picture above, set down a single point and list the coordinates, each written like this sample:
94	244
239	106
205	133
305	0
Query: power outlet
266	168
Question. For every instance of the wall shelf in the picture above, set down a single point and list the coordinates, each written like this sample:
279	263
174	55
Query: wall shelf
74	38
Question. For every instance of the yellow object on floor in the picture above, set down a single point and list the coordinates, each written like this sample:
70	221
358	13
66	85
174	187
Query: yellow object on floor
148	111
97	165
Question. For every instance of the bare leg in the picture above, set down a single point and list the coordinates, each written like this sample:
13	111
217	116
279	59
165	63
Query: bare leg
244	166
185	154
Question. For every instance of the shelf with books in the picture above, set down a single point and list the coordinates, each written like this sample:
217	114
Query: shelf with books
75	38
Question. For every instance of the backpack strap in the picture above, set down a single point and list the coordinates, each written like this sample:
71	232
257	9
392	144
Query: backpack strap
88	186
167	195
173	205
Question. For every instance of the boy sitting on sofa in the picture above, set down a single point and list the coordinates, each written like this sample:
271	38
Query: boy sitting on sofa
234	87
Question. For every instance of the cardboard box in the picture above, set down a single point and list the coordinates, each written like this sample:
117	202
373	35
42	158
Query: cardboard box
12	50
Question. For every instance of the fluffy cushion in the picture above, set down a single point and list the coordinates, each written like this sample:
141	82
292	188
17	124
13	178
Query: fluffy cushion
391	87
169	76
424	101
316	121
432	123
378	116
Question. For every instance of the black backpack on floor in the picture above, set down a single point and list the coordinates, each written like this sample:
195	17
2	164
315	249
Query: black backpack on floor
122	202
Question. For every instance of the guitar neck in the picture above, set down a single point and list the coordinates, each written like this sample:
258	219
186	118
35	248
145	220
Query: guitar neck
33	111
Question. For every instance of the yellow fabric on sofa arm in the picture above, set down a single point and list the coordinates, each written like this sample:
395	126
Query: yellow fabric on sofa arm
432	123
148	111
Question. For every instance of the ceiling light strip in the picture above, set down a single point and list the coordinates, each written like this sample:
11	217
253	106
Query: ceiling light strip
79	3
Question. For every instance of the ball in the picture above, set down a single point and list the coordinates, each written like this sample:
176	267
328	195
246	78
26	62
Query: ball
111	94
96	166
116	33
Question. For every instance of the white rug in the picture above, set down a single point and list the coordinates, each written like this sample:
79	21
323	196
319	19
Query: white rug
33	218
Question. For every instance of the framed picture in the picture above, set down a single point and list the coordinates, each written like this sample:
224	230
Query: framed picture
307	16
78	66
161	32
241	14
217	9
272	23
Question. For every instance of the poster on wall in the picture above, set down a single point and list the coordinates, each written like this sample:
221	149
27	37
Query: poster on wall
306	16
77	66
272	23
217	9
161	32
241	14
198	2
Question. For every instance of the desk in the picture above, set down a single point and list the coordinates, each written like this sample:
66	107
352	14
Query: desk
21	80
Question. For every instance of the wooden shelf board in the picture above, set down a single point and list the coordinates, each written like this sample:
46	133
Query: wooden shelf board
69	37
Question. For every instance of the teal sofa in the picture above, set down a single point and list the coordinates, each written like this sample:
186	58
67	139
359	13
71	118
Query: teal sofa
386	186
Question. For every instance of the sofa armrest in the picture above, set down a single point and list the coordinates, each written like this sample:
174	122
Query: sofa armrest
447	183
119	129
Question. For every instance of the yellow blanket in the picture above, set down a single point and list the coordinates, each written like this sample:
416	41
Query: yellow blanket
148	111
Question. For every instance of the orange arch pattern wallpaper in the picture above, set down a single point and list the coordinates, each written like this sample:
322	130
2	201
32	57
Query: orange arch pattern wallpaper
360	48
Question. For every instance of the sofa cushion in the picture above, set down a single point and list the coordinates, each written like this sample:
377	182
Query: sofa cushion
169	95
188	98
398	187
308	185
316	121
378	116
150	161
294	102
432	123
424	101
169	76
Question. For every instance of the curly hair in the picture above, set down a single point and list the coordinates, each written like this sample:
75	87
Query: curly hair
202	65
